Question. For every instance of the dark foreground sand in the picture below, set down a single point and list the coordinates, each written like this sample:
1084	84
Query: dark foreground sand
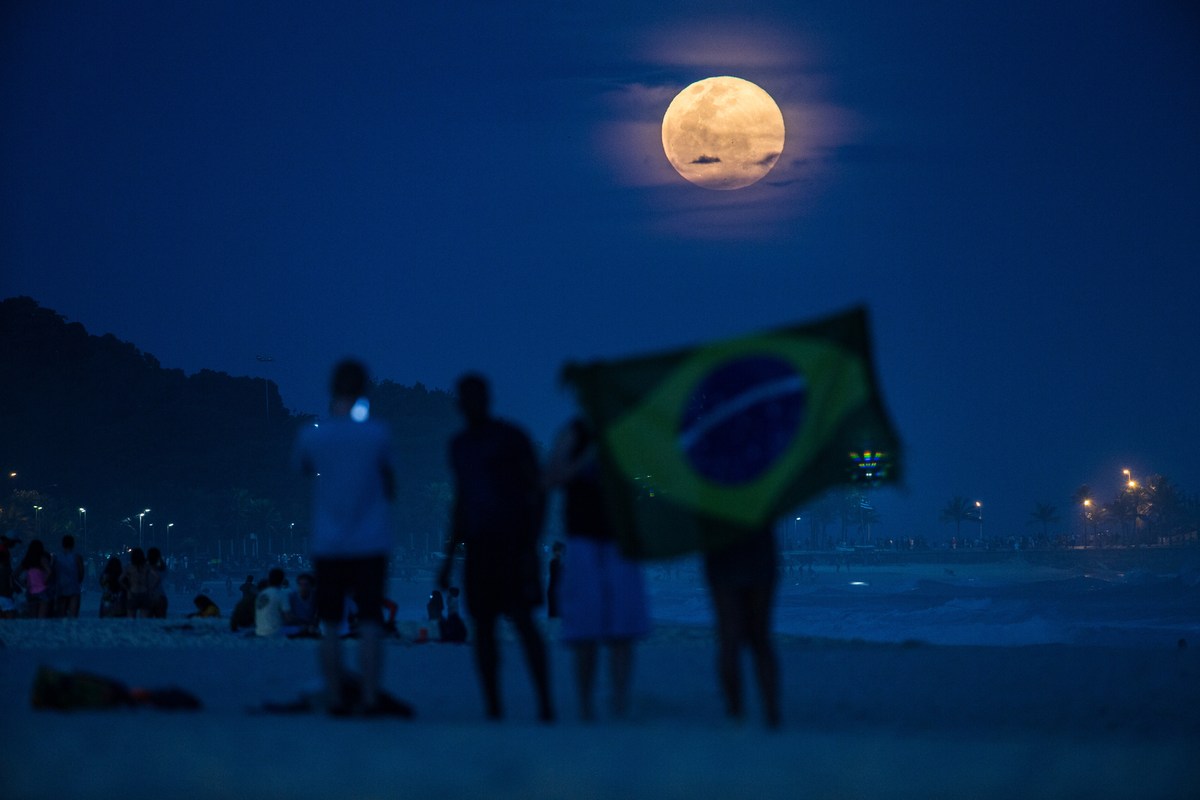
861	720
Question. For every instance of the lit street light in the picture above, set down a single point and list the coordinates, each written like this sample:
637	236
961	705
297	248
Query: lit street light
979	512
37	520
169	526
1132	486
1087	510
82	527
140	516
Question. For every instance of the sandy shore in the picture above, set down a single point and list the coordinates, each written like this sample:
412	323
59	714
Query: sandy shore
860	720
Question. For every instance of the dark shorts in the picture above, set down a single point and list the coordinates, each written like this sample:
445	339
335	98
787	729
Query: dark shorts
498	581
138	601
360	578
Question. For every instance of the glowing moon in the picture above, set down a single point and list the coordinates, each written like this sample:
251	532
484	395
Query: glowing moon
723	133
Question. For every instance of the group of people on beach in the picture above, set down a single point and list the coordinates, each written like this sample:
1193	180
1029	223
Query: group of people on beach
52	583
500	492
498	511
136	588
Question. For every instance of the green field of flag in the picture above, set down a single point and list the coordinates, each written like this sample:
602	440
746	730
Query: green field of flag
700	447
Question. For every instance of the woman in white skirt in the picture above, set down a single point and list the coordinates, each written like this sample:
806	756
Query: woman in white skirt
603	597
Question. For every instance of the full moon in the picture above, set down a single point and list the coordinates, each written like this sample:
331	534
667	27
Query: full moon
723	133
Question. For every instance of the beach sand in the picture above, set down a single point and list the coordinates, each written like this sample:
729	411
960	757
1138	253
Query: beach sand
900	718
861	719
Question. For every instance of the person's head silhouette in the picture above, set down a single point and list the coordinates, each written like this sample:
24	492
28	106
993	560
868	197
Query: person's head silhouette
473	398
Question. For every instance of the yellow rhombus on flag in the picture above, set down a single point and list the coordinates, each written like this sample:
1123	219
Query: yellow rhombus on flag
701	447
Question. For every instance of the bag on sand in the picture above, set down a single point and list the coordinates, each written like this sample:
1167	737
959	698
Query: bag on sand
58	690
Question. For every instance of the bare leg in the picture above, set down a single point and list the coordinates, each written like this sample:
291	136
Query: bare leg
370	661
766	665
535	657
487	662
585	677
729	636
329	660
621	664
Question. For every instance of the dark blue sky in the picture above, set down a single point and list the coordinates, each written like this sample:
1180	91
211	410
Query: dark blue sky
1013	190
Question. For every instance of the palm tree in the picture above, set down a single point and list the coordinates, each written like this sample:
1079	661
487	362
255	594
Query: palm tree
1045	514
958	510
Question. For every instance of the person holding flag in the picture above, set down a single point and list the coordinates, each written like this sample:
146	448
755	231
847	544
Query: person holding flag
703	449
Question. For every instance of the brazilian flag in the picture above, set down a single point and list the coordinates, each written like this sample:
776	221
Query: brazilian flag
701	447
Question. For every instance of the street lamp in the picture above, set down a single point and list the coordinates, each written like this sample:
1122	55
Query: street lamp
82	527
140	516
1087	510
979	513
169	526
37	520
1132	486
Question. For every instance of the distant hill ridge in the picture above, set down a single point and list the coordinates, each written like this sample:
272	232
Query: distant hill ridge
93	422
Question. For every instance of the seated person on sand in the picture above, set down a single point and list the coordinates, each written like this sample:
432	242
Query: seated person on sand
300	614
205	607
453	629
348	629
433	609
243	612
270	604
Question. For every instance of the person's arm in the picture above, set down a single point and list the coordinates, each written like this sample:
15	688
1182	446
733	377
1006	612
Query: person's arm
457	527
456	530
388	475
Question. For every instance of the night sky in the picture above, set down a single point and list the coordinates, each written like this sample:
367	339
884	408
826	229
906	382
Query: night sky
1013	189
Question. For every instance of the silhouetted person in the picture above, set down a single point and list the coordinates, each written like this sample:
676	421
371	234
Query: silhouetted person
271	605
554	580
8	606
112	591
140	582
68	578
433	609
37	573
300	617
603	593
205	607
351	537
453	629
742	579
158	594
498	509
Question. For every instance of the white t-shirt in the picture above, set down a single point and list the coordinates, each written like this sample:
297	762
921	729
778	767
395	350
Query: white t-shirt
347	460
268	611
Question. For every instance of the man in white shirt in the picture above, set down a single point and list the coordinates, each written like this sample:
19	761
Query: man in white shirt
270	605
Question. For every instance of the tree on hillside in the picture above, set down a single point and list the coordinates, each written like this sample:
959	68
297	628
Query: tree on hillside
958	511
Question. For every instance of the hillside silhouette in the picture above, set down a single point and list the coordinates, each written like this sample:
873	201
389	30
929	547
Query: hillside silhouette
93	422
